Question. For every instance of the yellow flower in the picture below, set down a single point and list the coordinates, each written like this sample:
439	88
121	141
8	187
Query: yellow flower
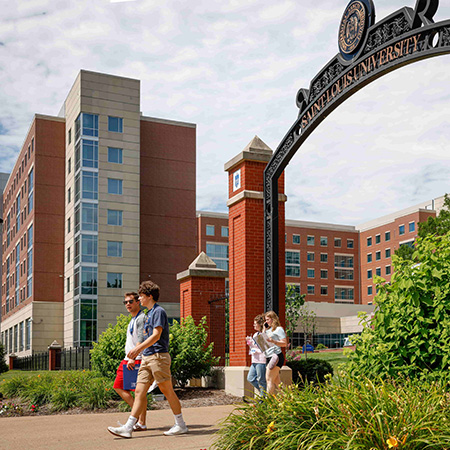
393	442
404	439
270	428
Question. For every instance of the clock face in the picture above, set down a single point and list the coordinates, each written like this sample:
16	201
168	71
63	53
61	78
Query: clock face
352	29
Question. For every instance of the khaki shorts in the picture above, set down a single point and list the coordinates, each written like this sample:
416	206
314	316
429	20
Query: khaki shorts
155	367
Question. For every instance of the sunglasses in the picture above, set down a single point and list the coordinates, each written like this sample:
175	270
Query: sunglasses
128	302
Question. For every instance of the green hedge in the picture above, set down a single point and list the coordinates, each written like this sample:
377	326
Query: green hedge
309	370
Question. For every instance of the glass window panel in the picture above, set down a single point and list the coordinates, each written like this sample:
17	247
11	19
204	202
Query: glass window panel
90	185
114	186
90	154
115	124
115	155
115	217
114	280
114	249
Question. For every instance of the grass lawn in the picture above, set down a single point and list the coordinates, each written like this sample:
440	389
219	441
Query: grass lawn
334	358
28	373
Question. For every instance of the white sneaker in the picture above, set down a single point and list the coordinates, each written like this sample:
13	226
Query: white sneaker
120	431
176	429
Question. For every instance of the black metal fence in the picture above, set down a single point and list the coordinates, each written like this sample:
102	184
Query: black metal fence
35	361
74	358
77	358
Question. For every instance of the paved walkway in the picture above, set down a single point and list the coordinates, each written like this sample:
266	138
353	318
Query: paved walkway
88	431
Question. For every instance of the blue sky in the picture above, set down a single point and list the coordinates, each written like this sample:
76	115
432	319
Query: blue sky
234	68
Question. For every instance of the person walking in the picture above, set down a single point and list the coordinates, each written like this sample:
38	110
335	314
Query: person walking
275	358
135	335
155	364
257	373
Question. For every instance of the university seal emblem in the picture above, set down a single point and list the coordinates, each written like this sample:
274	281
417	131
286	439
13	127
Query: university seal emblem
352	30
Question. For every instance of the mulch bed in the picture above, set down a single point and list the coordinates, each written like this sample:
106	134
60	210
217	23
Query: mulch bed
190	397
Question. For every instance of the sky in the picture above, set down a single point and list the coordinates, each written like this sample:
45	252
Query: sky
233	67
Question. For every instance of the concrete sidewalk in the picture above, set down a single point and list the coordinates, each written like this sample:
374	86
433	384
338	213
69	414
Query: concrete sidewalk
88	431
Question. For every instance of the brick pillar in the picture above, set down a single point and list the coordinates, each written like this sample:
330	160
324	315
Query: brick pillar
202	293
246	245
53	352
11	358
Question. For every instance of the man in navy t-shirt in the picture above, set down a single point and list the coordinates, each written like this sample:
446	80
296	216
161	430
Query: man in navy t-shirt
155	365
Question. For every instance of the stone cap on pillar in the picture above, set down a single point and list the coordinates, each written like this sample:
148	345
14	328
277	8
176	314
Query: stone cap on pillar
256	150
55	346
202	266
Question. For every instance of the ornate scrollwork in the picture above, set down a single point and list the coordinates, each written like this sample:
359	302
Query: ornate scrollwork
385	31
328	75
445	40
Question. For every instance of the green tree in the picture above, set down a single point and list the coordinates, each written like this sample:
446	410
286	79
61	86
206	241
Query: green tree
438	225
3	365
409	334
307	320
294	301
109	350
191	357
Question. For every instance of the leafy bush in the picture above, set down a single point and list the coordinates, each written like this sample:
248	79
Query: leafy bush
354	414
191	358
38	390
14	386
321	346
109	350
409	335
3	366
309	370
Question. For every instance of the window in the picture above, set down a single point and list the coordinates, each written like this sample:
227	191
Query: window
378	255
16	340
343	274
296	239
387	236
401	229
70	138
378	271
114	249
323	290
224	231
115	217
292	289
343	293
369	290
369	241
310	240
350	243
114	186
310	256
29	261
292	263
377	238
27	334
388	253
323	241
115	124
343	261
324	257
90	154
219	254
337	242
311	289
114	280
21	337
388	270
88	248
210	230
412	227
369	257
89	125
68	225
69	165
68	284
90	185
69	195
89	217
323	274
88	281
18	213
369	274
68	255
311	273
115	155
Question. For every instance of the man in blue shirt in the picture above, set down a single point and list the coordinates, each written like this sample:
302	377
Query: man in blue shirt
155	365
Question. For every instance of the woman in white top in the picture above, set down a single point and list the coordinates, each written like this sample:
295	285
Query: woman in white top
257	373
277	336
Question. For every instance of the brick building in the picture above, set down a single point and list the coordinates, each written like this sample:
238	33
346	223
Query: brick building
100	198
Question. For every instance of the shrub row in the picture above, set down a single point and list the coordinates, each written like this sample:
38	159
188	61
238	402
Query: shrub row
355	414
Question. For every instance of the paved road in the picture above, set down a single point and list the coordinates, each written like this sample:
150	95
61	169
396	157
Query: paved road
88	431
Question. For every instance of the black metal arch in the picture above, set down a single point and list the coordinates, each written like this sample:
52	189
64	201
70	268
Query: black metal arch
398	40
